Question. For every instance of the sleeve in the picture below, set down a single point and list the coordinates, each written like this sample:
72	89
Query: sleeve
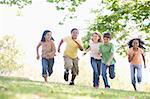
65	39
100	48
112	48
90	42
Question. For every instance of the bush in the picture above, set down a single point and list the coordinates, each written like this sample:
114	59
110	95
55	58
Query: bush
10	54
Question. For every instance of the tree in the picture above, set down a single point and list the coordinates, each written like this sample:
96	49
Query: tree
125	17
69	6
18	3
10	55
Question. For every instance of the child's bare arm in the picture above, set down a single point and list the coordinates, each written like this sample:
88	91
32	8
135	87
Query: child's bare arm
87	50
37	50
111	55
80	47
110	59
60	45
144	60
130	57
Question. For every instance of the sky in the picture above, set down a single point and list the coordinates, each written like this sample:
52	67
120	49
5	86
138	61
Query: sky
33	20
40	16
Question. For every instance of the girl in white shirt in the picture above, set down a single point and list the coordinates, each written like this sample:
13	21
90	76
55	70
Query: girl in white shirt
95	57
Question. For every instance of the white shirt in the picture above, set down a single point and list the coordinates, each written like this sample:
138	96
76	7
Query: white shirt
94	48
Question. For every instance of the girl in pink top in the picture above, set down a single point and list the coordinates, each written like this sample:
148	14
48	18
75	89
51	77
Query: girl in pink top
135	57
48	53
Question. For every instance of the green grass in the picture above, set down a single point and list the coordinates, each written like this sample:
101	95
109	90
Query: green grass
21	88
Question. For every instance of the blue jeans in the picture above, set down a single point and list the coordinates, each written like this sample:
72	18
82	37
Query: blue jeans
47	66
139	73
111	73
96	65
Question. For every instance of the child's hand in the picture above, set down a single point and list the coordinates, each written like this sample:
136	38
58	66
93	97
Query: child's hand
144	65
38	57
50	54
58	50
99	55
133	54
84	54
108	64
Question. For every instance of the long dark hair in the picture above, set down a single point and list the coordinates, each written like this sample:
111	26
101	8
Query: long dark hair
43	36
141	43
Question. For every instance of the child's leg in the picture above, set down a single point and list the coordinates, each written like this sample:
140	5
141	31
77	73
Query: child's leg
132	70
95	72
139	73
44	68
99	67
74	70
99	72
68	65
50	66
72	79
112	71
104	75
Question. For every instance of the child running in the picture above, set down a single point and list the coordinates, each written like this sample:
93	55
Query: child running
70	54
95	57
48	53
135	57
108	61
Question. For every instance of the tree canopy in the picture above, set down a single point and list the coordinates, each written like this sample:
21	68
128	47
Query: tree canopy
125	19
18	3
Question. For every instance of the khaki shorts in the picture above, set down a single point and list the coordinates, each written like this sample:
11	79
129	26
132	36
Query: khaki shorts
72	64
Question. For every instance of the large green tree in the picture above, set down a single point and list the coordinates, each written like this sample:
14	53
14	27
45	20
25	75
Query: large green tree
125	17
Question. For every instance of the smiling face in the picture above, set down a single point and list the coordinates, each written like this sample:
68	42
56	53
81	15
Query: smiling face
135	43
106	39
48	36
74	34
95	37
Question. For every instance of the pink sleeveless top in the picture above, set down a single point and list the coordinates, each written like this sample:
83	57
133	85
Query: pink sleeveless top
48	50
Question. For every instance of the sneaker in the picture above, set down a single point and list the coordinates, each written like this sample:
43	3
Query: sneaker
96	87
134	86
71	83
45	78
107	87
66	74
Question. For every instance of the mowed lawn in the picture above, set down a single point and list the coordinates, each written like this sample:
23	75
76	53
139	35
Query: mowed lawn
21	88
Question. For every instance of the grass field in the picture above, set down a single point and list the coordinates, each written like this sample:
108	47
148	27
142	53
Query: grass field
22	88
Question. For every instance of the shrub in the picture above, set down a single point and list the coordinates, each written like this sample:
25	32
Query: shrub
10	55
